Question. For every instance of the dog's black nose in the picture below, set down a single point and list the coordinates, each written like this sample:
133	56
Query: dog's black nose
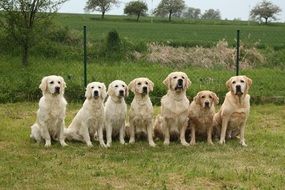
121	92
57	89
144	89
96	93
238	88
180	82
207	104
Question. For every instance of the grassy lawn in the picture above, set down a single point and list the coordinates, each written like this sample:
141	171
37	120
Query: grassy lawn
27	165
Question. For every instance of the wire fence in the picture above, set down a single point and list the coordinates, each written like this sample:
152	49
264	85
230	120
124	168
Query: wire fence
207	67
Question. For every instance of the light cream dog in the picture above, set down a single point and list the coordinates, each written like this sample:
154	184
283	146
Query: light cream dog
115	111
174	106
90	118
51	112
201	114
140	114
232	117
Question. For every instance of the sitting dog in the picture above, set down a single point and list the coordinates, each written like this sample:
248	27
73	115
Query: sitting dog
115	111
201	114
232	117
174	107
51	112
140	114
90	118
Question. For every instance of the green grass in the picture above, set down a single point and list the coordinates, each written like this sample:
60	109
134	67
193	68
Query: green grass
191	33
20	83
27	165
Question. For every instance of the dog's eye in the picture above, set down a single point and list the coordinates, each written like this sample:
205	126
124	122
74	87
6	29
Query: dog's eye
51	82
99	87
210	97
58	82
183	77
92	87
116	86
146	83
123	86
234	82
139	83
242	81
175	77
203	97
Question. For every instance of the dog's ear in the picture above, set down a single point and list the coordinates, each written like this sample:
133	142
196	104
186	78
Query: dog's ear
188	82
167	81
110	91
216	98
62	84
151	85
103	91
248	81
126	90
88	92
43	86
132	85
228	84
196	98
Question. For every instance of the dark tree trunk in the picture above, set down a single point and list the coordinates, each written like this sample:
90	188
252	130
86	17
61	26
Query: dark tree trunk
103	15
138	17
266	20
170	14
25	54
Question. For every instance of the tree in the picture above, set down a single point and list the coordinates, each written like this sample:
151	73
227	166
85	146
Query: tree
24	20
100	5
211	14
192	13
170	7
265	10
136	8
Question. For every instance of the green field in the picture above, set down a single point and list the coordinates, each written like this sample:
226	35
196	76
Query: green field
27	165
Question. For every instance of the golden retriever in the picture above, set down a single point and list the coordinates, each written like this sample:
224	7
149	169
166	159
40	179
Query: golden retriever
232	117
201	114
174	107
51	113
90	118
115	111
140	114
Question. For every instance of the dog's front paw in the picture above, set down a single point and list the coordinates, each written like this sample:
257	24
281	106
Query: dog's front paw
132	141
185	143
122	142
192	143
103	145
63	144
243	144
210	143
222	142
48	144
108	145
166	142
152	144
89	144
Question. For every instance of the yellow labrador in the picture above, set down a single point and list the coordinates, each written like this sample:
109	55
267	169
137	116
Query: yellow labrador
115	111
140	114
51	112
201	114
232	117
90	118
174	106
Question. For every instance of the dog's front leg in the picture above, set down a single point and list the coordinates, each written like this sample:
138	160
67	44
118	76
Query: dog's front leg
108	133
132	133
224	130
150	134
242	139
61	133
85	134
209	134
100	134
45	133
182	134
166	132
193	135
122	134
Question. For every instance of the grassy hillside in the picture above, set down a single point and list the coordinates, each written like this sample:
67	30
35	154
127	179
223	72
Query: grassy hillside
27	165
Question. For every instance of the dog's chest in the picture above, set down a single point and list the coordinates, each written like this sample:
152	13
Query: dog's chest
176	108
237	119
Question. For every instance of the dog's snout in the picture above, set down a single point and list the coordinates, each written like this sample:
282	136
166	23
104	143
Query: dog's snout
57	89
238	87
145	89
207	104
122	93
96	93
180	81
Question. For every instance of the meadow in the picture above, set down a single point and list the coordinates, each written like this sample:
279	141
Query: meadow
28	165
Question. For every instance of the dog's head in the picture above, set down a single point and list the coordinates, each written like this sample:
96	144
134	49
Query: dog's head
239	85
141	86
118	88
206	99
96	90
54	85
177	81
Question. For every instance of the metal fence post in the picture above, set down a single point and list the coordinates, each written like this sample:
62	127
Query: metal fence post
237	58
85	55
